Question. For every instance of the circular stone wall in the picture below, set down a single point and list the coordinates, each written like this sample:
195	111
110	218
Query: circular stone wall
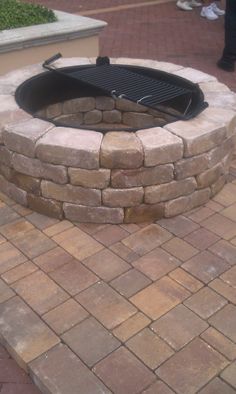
119	177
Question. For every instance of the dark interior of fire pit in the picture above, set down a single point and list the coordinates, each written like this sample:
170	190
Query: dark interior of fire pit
50	88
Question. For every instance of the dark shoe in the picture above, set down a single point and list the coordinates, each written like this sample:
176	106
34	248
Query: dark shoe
226	64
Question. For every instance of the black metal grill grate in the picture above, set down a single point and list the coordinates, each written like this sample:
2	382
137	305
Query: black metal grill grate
120	82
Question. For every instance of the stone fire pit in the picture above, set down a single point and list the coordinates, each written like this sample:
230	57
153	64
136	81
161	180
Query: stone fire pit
161	170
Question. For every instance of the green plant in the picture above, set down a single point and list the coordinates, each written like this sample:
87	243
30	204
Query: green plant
15	13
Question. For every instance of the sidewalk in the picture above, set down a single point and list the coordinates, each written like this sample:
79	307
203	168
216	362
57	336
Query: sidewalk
125	309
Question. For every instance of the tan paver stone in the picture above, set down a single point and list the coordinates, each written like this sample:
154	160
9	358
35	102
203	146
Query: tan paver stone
180	249
124	252
220	343
225	250
41	221
230	276
192	367
205	302
10	257
146	239
156	264
19	272
206	266
214	206
65	316
77	243
225	321
74	277
7	215
217	386
158	388
179	326
104	303
23	333
40	292
110	235
180	226
53	259
33	243
230	212
229	374
23	211
227	195
148	347
123	373
61	371
201	238
186	280
223	288
130	283
19	226
57	228
10	372
131	326
90	341
221	226
2	240
160	297
91	228
5	292
106	265
199	214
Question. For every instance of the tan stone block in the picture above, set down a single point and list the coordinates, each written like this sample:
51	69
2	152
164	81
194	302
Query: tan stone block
72	120
221	99
199	197
85	214
138	120
54	110
21	137
82	104
122	197
38	169
216	155
121	150
105	103
199	134
144	213
113	116
45	206
160	146
5	156
23	332
142	176
7	103
71	147
26	182
127	105
6	171
97	179
12	191
168	191
176	206
93	117
73	194
209	177
222	115
192	166
11	116
218	185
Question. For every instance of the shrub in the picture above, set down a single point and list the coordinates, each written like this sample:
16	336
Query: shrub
14	13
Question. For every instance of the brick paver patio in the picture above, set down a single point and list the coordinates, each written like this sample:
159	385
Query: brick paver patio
126	309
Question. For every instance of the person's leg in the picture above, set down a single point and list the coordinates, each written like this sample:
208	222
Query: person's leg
227	61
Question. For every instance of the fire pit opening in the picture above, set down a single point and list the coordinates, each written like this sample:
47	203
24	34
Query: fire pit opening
105	96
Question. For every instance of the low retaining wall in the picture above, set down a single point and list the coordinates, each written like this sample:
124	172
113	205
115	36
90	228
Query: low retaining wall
118	177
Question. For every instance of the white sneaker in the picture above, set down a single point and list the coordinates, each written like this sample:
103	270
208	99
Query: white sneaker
184	5
194	3
208	13
217	10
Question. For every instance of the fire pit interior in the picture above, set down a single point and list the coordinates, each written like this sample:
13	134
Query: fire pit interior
87	142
